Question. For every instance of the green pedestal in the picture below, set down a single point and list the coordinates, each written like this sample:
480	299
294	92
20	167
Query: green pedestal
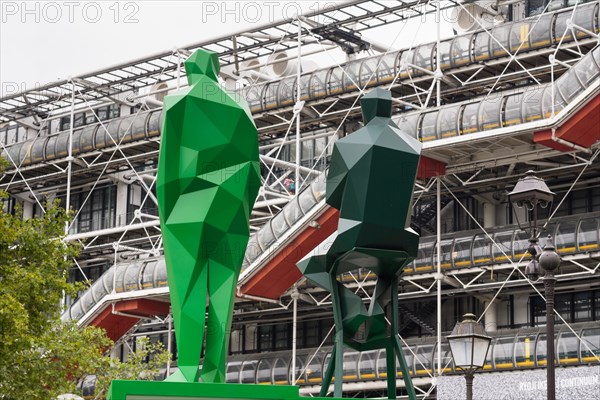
151	390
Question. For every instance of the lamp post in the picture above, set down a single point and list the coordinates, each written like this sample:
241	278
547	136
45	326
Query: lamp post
469	346
531	192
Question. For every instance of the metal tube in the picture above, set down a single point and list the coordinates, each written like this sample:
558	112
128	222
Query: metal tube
294	332
169	342
439	276
70	156
438	71
549	284
298	88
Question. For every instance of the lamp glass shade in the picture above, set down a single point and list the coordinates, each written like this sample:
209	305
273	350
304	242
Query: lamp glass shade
469	351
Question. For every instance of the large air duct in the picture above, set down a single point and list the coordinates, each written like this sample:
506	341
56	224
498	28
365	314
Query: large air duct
471	16
280	64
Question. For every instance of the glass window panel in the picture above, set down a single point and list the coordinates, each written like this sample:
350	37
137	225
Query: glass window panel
367	365
368	73
138	129
520	246
482	46
281	337
423	360
489	114
429	127
482	250
351	75
350	365
587	70
299	370
408	123
386	71
335	80
519	36
286	92
448	122
154	123
248	374
254	97
540	350
565	241
590	345
560	28
525	350
444	54
532	99
447	363
503	353
461	50
502	250
304	87
114	111
587	236
423	57
582	306
314	370
318	84
569	85
424	262
233	372
469	118
512	109
585	18
535	7
405	58
500	40
446	253
568	348
461	253
265	337
564	305
125	130
381	366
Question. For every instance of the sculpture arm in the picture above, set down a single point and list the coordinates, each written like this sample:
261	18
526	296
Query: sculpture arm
336	179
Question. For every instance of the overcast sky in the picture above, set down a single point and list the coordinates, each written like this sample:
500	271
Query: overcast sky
45	41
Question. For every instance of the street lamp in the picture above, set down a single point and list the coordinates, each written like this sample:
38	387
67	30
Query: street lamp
531	192
469	346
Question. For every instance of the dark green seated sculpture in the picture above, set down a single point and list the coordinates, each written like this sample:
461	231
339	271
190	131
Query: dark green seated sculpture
370	181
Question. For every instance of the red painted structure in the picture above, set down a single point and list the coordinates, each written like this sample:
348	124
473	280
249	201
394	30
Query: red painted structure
280	272
116	323
582	128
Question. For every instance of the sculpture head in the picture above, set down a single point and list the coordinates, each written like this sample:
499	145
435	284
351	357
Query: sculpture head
376	103
202	63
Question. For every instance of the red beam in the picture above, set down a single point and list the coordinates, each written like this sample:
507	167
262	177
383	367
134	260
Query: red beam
280	273
117	325
582	128
428	168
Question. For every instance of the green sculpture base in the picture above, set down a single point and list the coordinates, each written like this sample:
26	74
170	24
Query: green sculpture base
152	390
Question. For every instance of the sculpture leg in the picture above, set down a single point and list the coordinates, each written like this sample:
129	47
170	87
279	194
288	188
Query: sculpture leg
328	374
339	336
339	365
188	303
410	389
222	280
390	362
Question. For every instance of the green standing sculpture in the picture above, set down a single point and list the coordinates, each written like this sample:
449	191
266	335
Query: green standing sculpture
208	180
370	181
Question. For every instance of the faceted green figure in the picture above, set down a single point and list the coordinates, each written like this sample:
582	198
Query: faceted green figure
208	180
370	181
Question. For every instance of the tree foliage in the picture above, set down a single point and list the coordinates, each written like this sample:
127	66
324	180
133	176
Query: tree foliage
41	356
